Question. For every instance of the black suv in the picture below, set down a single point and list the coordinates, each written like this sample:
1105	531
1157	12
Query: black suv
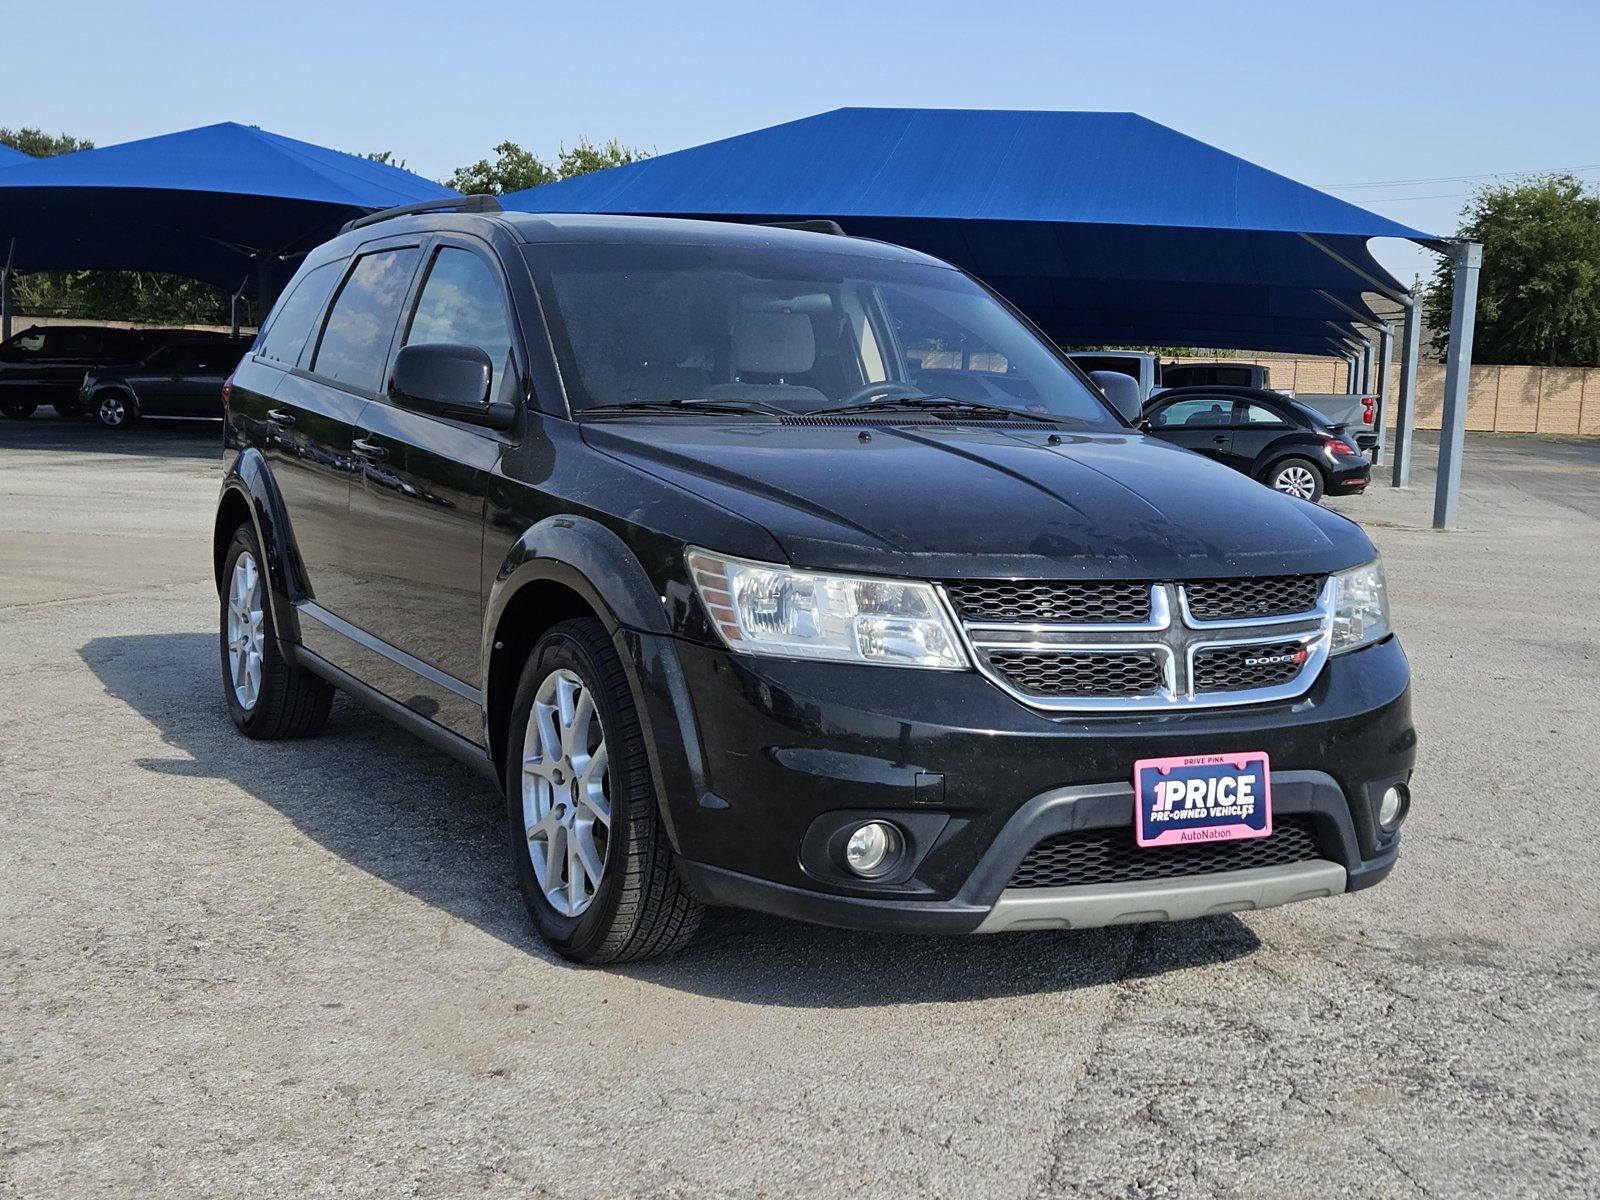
180	379
45	364
680	532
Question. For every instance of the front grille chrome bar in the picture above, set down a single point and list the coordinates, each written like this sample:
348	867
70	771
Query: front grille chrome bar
1174	636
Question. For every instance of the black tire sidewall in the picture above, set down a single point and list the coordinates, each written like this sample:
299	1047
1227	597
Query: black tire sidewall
576	936
18	410
1316	475
130	413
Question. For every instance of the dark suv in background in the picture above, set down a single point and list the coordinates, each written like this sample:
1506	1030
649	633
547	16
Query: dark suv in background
796	572
45	364
178	379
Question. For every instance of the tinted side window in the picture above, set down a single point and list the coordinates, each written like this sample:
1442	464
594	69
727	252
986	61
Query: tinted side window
1203	411
355	341
1258	415
461	304
297	315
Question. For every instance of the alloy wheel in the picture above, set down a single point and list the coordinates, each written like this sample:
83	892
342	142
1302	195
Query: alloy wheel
1297	482
566	806
246	634
112	411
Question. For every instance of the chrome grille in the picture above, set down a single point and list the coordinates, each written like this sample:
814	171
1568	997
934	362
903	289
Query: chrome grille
1266	596
1119	646
1033	603
1111	856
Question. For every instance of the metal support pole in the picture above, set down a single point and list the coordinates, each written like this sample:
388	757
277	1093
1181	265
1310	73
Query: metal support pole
1465	258
1405	413
1350	374
1368	361
233	306
1385	378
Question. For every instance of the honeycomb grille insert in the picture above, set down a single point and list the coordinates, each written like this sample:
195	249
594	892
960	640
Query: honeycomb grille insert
1051	602
1237	668
1135	674
1241	599
1111	856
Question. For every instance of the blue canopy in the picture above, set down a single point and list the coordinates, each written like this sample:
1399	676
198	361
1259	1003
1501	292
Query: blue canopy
10	156
1105	228
213	203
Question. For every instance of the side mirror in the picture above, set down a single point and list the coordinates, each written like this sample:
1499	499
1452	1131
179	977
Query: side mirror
448	381
1123	392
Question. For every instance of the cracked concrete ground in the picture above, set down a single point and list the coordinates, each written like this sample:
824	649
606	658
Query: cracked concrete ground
234	969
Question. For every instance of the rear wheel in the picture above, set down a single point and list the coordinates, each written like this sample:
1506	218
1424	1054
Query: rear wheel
589	851
1297	477
115	410
18	410
268	698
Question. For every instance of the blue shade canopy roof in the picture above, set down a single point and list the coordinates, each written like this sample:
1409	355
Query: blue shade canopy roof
203	202
9	156
1102	227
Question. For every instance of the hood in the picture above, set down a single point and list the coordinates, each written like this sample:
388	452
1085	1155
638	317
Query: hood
953	501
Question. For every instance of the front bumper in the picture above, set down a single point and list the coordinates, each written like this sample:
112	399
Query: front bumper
762	762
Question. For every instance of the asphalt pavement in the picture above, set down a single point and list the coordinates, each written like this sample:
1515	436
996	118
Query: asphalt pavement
302	969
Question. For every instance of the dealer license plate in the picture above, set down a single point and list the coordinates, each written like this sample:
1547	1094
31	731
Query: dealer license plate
1202	798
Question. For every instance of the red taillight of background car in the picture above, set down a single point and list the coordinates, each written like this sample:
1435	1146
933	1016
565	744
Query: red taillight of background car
1368	404
1340	446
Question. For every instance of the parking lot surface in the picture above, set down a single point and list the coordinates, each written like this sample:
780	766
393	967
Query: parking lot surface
241	969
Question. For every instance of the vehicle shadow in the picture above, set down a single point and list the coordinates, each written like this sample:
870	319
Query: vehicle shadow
185	439
436	831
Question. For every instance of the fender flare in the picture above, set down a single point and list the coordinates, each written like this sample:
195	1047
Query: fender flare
587	557
250	478
93	401
1272	457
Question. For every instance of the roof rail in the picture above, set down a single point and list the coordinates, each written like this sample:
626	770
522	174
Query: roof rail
464	204
815	225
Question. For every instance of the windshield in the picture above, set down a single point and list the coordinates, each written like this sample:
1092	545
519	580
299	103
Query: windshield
792	331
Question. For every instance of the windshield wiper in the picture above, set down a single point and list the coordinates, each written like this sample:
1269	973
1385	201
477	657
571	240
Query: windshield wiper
937	403
695	404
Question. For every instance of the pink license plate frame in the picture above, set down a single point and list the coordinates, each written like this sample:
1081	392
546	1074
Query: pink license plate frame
1223	798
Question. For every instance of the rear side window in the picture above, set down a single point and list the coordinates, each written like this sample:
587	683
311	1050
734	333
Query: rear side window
461	304
1258	415
355	341
290	329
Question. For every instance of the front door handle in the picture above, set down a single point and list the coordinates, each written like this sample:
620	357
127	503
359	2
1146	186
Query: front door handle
369	450
280	416
1221	439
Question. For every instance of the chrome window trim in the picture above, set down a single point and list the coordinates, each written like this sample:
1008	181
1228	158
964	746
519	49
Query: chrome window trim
1179	641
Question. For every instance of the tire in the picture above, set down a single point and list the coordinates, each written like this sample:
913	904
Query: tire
115	410
68	410
18	410
639	907
285	702
1297	477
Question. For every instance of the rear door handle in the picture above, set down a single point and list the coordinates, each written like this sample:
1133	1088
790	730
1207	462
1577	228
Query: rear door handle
280	416
369	450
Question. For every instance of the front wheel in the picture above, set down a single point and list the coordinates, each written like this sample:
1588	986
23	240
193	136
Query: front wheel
18	410
1297	477
588	848
268	698
115	411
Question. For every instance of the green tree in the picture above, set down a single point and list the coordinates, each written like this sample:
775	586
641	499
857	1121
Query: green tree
1539	288
386	157
514	168
41	144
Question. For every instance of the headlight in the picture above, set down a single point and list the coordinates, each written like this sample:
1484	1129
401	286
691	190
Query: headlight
764	609
1361	607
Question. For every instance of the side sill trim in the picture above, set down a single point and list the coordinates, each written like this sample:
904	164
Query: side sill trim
436	736
1095	904
362	638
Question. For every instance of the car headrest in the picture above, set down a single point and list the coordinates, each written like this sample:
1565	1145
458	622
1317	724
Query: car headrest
774	343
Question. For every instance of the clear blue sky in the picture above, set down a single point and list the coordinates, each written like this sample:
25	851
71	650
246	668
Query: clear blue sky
1329	94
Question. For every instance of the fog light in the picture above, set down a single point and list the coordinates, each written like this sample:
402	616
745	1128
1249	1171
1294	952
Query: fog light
1392	807
872	848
